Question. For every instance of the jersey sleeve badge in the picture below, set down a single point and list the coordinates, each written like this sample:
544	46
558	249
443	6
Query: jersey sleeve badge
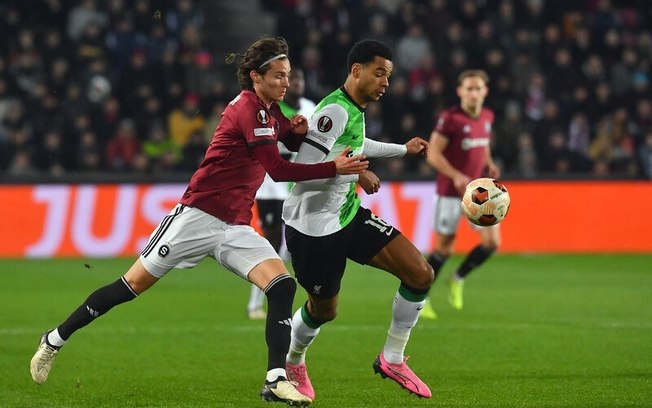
324	124
262	116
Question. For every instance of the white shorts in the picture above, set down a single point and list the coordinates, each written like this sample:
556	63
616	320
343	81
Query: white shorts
448	212
187	235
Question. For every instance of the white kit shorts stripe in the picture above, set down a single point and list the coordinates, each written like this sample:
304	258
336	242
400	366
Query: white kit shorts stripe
187	235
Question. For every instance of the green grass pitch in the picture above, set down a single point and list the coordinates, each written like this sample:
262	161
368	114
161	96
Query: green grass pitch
535	331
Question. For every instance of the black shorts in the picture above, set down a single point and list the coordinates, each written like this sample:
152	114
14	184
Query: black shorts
269	212
319	262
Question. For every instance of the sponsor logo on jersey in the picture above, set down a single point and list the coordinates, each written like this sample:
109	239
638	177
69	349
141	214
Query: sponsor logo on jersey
163	250
263	132
324	124
317	136
469	143
262	116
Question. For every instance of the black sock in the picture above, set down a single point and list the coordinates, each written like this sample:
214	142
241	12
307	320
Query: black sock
437	261
280	294
98	303
477	256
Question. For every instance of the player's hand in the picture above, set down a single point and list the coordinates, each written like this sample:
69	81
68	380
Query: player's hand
299	124
369	182
460	182
416	145
350	165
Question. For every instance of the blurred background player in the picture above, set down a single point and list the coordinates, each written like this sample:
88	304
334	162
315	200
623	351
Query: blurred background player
270	195
460	152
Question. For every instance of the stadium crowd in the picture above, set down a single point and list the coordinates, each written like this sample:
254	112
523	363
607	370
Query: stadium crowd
125	86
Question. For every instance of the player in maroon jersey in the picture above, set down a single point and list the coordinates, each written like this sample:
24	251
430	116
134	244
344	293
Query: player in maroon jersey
213	216
460	152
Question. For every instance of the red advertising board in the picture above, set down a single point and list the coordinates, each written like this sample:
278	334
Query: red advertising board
90	220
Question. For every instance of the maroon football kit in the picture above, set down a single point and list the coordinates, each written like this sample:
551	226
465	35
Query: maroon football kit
243	148
468	139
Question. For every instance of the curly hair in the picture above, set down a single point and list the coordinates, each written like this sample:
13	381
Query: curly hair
364	52
257	58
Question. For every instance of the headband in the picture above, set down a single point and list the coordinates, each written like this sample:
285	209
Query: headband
279	56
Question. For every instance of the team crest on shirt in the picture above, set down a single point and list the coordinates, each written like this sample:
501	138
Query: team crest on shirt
487	127
163	250
466	129
262	116
324	124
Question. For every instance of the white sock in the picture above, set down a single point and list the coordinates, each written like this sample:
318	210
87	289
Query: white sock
405	315
274	373
55	339
256	298
302	338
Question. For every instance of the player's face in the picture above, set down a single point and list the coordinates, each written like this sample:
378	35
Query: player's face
374	78
274	84
472	92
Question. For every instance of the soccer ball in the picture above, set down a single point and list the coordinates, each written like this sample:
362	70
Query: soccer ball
485	202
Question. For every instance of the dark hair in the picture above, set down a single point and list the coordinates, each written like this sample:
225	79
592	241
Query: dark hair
364	52
473	73
257	58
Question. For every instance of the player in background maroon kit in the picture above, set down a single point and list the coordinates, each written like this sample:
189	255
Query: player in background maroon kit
213	216
460	152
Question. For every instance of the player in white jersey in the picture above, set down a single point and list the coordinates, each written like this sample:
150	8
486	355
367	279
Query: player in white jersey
270	195
325	223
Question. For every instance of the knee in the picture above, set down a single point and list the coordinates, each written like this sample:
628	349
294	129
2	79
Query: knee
324	314
421	277
425	275
327	315
284	288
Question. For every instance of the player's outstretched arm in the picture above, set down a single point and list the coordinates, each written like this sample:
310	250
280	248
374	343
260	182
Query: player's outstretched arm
350	165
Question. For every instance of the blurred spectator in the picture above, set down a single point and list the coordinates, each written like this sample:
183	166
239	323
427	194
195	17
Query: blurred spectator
85	14
579	134
123	148
507	134
52	155
161	152
213	120
411	48
185	14
186	120
200	74
88	156
526	156
193	152
21	165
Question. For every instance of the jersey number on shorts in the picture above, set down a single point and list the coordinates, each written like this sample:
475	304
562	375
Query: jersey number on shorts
381	224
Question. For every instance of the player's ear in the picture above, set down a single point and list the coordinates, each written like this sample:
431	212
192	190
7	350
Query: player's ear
255	76
355	70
